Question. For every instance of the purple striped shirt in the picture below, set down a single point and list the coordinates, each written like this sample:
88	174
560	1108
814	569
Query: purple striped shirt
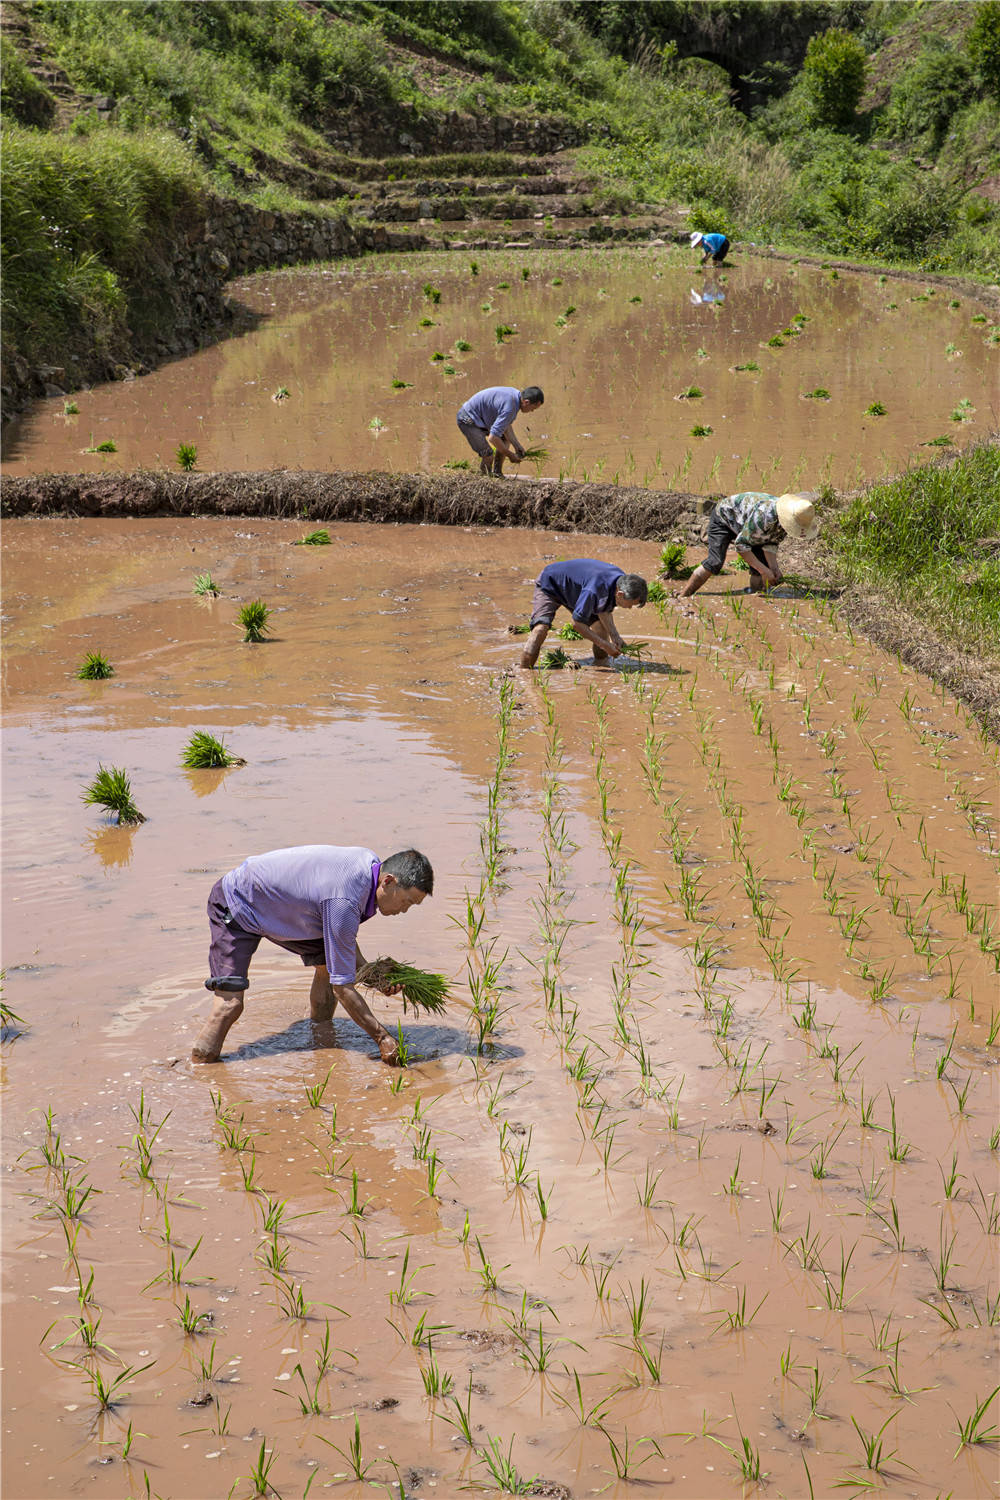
311	892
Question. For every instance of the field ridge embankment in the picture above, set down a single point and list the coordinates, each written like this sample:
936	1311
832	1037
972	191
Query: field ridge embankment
421	499
466	500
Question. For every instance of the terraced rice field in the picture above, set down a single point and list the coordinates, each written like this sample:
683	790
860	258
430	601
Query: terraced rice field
694	1187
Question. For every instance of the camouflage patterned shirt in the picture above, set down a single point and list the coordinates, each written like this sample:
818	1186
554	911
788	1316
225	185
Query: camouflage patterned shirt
752	516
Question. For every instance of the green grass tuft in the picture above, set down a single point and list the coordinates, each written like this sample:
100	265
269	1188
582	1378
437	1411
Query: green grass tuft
95	667
204	584
186	455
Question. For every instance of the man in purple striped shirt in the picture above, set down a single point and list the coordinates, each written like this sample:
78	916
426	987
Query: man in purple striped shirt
310	900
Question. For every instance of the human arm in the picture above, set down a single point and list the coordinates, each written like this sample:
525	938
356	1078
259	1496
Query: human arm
360	1014
606	638
770	573
513	441
607	620
506	444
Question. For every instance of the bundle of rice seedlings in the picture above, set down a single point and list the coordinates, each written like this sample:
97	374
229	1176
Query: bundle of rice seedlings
634	648
657	593
254	617
537	453
569	632
204	583
95	667
203	752
313	539
420	989
521	629
553	660
111	788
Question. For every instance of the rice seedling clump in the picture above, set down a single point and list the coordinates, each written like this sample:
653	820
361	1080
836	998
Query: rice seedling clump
203	752
254	617
111	788
95	667
313	539
422	990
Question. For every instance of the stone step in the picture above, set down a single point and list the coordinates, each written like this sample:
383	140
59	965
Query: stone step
472	187
458	210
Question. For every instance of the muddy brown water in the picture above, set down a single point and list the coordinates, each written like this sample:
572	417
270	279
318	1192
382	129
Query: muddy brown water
741	911
633	336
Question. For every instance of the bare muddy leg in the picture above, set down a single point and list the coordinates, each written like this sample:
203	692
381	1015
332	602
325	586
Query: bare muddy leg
533	645
226	1011
698	577
322	1000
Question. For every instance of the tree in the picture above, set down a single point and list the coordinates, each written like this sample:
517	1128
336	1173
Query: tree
834	76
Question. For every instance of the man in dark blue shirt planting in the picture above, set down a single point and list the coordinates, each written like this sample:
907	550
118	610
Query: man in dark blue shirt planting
591	591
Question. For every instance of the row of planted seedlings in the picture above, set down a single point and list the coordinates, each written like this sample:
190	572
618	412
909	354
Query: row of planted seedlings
629	1305
843	1064
500	1299
846	1066
842	903
872	829
111	1382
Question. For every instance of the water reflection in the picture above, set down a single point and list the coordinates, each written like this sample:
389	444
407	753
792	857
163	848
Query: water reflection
375	373
112	845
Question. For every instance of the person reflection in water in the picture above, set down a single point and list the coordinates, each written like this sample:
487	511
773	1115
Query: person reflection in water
310	900
591	591
708	294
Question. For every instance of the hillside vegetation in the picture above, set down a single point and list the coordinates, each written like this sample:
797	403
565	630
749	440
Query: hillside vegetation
119	114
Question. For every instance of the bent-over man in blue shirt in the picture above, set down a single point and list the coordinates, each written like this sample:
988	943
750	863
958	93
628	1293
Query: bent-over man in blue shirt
486	421
591	591
310	900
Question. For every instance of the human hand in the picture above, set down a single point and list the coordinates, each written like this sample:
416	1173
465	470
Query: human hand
388	1050
390	989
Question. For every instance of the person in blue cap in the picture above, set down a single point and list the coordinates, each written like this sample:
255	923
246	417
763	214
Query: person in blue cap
716	247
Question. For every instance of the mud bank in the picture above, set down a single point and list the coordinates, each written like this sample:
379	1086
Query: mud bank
440	500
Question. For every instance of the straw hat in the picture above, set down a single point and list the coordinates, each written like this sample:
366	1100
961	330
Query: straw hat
798	517
697	238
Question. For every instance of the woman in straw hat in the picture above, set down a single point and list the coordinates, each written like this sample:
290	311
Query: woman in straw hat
756	523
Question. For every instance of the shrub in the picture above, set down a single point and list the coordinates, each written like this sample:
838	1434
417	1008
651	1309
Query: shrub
983	42
834	76
929	93
24	98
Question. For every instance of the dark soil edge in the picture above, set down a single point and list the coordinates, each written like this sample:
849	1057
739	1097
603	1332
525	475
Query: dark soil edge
461	500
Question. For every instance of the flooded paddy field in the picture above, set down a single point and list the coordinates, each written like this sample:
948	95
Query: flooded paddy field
695	1182
805	376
